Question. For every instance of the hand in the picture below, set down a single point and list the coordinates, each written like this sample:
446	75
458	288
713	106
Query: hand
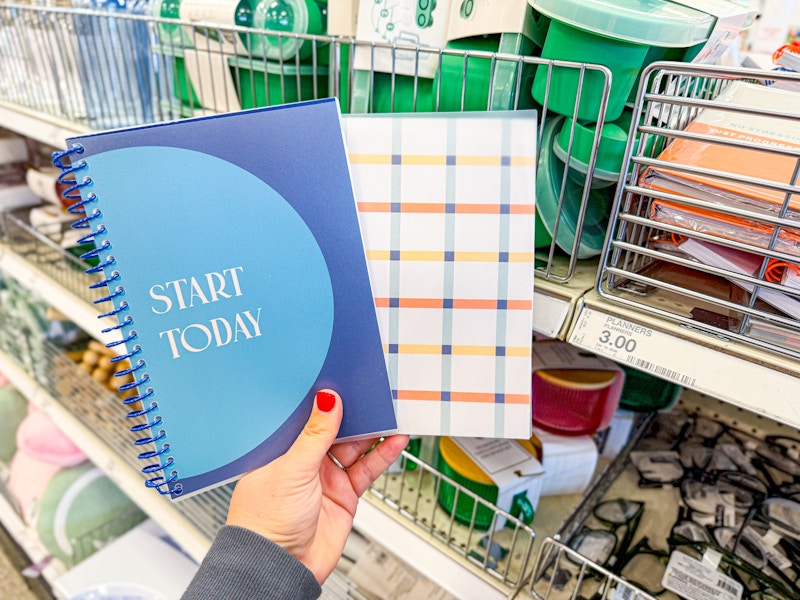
303	501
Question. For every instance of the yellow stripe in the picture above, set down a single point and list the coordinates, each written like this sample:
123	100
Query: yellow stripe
523	161
370	159
492	256
378	254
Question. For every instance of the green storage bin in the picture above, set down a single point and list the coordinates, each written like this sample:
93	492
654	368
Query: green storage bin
616	33
267	83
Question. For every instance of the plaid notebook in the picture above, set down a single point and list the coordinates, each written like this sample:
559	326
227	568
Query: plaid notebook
446	204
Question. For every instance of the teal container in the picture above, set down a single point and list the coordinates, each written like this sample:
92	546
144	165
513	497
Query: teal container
610	151
618	34
563	225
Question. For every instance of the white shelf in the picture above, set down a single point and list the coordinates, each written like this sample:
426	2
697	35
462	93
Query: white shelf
76	309
762	382
38	126
130	482
554	303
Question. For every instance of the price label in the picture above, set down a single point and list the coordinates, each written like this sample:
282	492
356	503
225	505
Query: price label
691	578
629	343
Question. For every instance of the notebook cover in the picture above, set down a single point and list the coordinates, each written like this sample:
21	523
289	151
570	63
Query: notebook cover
240	253
446	203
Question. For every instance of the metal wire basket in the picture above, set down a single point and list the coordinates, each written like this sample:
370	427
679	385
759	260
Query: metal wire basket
112	69
742	205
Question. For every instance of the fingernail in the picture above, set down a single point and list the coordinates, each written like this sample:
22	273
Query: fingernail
325	400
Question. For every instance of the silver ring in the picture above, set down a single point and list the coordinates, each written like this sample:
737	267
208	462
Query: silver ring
336	462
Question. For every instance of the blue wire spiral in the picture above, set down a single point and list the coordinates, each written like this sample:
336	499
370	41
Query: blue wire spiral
152	428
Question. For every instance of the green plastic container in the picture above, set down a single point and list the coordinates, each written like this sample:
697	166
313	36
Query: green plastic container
549	178
173	40
614	33
455	464
645	393
610	151
463	78
403	93
267	83
290	16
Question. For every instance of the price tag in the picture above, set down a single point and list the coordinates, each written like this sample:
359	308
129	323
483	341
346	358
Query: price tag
627	342
691	578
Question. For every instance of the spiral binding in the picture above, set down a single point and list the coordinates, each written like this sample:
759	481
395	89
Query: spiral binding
152	427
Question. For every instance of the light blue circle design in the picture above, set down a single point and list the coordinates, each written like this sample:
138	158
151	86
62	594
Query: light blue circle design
229	290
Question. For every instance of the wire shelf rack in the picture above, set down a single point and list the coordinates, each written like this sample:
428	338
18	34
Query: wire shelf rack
742	204
114	69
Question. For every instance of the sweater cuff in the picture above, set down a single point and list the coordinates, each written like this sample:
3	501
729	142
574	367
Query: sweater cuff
244	564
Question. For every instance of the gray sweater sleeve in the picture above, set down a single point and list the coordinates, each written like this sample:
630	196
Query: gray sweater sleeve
244	564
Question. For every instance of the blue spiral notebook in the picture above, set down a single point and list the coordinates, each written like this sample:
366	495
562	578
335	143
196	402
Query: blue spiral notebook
232	255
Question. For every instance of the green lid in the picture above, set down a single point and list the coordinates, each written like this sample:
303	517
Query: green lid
648	22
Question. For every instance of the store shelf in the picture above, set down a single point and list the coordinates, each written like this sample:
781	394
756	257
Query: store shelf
117	468
80	312
758	380
555	303
39	126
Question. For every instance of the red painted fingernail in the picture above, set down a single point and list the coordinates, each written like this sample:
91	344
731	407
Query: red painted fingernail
325	401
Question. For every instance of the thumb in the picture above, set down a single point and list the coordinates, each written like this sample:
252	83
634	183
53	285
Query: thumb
320	431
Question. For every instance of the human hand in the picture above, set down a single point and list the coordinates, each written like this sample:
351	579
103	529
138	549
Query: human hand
302	500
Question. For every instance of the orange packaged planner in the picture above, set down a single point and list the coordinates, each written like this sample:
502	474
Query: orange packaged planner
746	177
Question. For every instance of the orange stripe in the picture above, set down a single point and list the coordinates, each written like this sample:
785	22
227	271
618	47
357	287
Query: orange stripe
457	304
519	304
421	303
490	304
418	395
421	207
374	207
478	209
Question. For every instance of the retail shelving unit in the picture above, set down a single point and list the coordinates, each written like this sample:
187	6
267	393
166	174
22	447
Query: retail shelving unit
570	303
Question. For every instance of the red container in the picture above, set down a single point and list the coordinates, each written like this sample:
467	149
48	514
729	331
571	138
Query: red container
575	401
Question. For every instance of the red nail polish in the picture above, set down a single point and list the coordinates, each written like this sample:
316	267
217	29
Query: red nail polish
325	401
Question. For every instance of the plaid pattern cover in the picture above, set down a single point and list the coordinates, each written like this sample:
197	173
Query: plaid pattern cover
446	204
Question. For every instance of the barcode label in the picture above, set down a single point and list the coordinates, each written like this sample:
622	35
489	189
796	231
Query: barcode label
728	587
623	592
646	365
691	578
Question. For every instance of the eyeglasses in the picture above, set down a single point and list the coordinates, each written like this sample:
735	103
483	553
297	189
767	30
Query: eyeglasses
605	546
739	494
